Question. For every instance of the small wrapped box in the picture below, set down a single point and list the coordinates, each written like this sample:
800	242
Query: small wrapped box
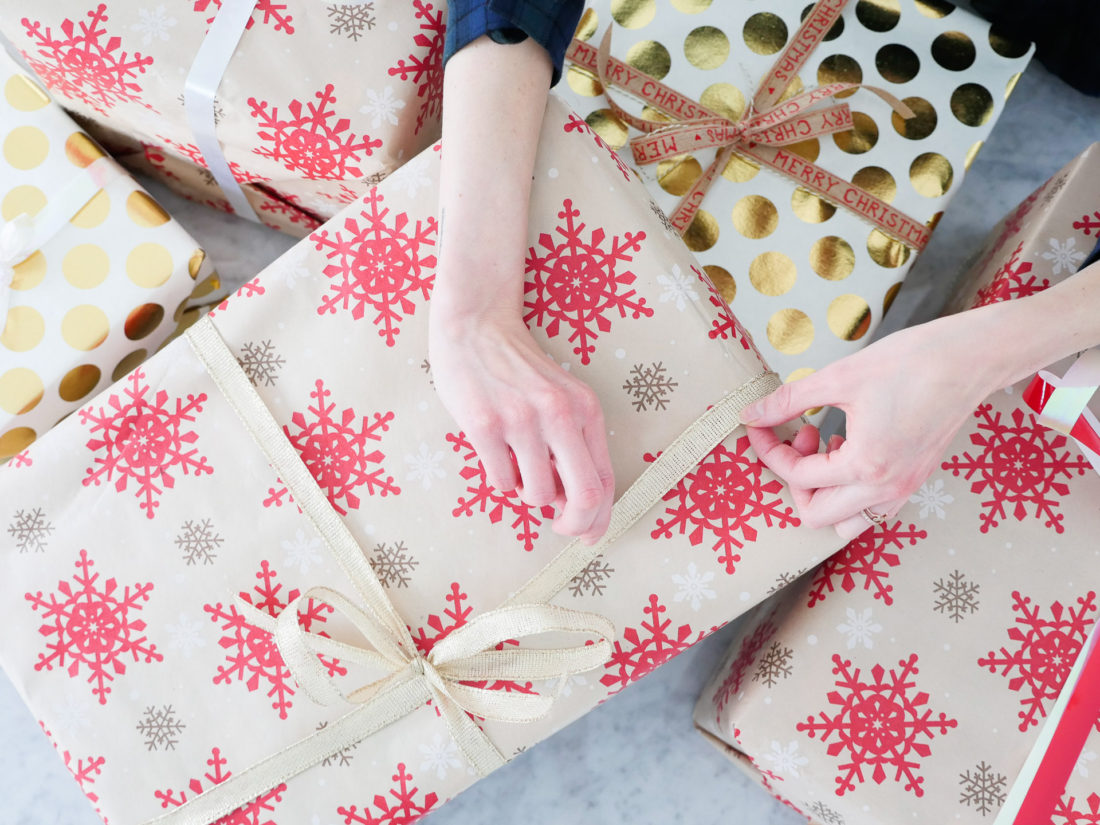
324	355
98	275
908	678
793	243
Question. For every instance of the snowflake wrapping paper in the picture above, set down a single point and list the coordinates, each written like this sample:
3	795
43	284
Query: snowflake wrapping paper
134	523
101	295
319	102
907	678
809	280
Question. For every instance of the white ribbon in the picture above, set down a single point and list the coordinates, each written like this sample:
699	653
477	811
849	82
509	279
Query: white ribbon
1069	400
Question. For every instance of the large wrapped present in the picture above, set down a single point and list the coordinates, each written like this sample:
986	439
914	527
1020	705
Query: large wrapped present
291	444
808	237
909	677
94	274
316	102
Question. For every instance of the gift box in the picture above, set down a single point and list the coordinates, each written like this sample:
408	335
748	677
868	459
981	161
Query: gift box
315	105
100	275
349	468
795	248
908	678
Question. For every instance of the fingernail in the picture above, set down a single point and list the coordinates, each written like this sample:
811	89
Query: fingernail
750	414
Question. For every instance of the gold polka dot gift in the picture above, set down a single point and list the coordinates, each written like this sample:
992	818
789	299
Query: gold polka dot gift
94	274
805	248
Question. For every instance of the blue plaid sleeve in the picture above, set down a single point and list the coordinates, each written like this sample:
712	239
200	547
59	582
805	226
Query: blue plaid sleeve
548	22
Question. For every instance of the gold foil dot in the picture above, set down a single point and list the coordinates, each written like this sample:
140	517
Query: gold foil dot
886	251
931	174
30	272
809	207
180	308
633	14
772	273
834	31
765	33
149	265
848	317
972	153
739	169
23	329
81	150
934	8
143	320
706	47
86	265
194	263
24	94
129	363
583	82
794	88
790	331
725	99
20	390
79	382
972	104
754	216
677	175
934	221
954	51
888	298
587	25
655	115
607	125
210	284
897	63
189	317
94	212
1010	87
877	181
878	15
1006	46
20	199
85	327
839	68
921	124
703	232
832	258
691	6
144	211
861	138
722	281
15	441
26	147
805	149
650	57
799	374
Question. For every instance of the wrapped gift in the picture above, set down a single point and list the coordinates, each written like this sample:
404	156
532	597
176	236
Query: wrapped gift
94	275
316	103
908	678
293	441
808	241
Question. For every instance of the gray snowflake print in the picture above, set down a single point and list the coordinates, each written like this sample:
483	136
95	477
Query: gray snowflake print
649	388
260	362
30	530
350	20
160	728
983	789
198	541
956	596
393	565
592	580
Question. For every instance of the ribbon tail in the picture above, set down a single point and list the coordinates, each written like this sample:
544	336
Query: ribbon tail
685	210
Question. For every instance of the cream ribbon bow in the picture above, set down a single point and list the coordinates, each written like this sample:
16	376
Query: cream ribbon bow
16	245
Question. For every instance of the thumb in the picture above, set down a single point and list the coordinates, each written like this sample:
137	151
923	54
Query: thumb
787	402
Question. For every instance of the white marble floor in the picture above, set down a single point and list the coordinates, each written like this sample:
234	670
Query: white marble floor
636	758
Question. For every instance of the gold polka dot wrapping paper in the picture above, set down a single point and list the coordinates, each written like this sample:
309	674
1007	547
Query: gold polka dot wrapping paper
809	279
97	297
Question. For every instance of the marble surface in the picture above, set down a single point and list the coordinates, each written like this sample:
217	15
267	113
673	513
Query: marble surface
636	758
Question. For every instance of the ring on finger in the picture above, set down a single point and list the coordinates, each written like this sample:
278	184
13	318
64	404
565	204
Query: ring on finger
871	517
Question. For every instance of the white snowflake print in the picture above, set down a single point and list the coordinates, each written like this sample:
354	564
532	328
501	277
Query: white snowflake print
678	287
692	586
859	628
382	107
424	466
440	756
786	760
413	176
153	24
1081	768
72	715
577	680
185	635
932	498
1064	255
302	551
297	270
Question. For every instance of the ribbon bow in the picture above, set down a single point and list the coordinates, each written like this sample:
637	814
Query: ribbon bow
1062	403
16	245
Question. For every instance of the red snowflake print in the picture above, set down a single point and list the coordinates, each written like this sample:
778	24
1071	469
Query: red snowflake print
722	496
645	648
274	14
1009	282
1089	223
425	65
84	771
251	652
142	440
575	124
1066	811
90	627
1013	225
82	62
308	141
870	557
379	262
191	153
726	325
487	499
1019	464
285	206
1045	653
256	812
249	289
398	807
878	723
574	282
738	667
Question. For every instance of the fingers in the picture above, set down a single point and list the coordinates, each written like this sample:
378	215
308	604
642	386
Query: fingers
491	448
857	525
789	401
584	489
537	485
595	438
815	470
